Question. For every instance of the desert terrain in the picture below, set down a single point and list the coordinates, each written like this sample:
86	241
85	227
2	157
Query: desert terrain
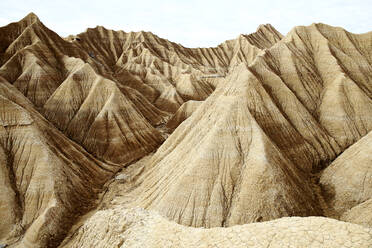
125	139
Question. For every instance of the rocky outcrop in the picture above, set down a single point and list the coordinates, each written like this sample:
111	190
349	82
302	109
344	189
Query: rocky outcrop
270	123
46	179
183	113
114	128
360	214
167	73
139	228
254	121
347	183
231	172
71	88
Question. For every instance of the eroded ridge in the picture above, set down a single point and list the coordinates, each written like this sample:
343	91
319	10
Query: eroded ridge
259	128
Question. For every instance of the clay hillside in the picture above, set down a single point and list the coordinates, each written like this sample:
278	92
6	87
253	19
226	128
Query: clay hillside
115	139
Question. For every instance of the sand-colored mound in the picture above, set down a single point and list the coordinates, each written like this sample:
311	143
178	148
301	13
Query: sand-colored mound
32	58
47	180
347	182
114	130
138	228
287	113
253	119
360	214
305	78
183	113
220	168
167	73
71	88
191	87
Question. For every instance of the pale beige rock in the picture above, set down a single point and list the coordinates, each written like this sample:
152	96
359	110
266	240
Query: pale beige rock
138	228
230	172
70	87
347	182
183	113
273	121
167	73
360	214
272	114
114	130
46	179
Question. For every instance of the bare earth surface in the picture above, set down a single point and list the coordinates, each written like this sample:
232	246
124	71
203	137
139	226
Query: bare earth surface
115	139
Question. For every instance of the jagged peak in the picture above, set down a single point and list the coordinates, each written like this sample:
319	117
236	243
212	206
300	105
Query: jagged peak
266	26
145	35
30	18
25	22
141	33
320	28
264	37
138	36
268	29
96	28
323	25
315	26
329	28
260	38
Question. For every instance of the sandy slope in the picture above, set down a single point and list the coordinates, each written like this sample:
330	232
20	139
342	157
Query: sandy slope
254	122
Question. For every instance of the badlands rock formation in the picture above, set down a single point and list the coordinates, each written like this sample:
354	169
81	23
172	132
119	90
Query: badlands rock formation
261	128
138	228
184	112
271	123
46	179
347	183
70	89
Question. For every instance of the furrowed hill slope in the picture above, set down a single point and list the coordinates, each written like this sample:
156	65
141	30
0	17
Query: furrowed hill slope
70	89
231	172
255	121
184	112
114	128
47	180
347	183
147	70
170	73
246	153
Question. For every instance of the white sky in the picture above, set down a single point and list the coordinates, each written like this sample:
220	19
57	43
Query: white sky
192	23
